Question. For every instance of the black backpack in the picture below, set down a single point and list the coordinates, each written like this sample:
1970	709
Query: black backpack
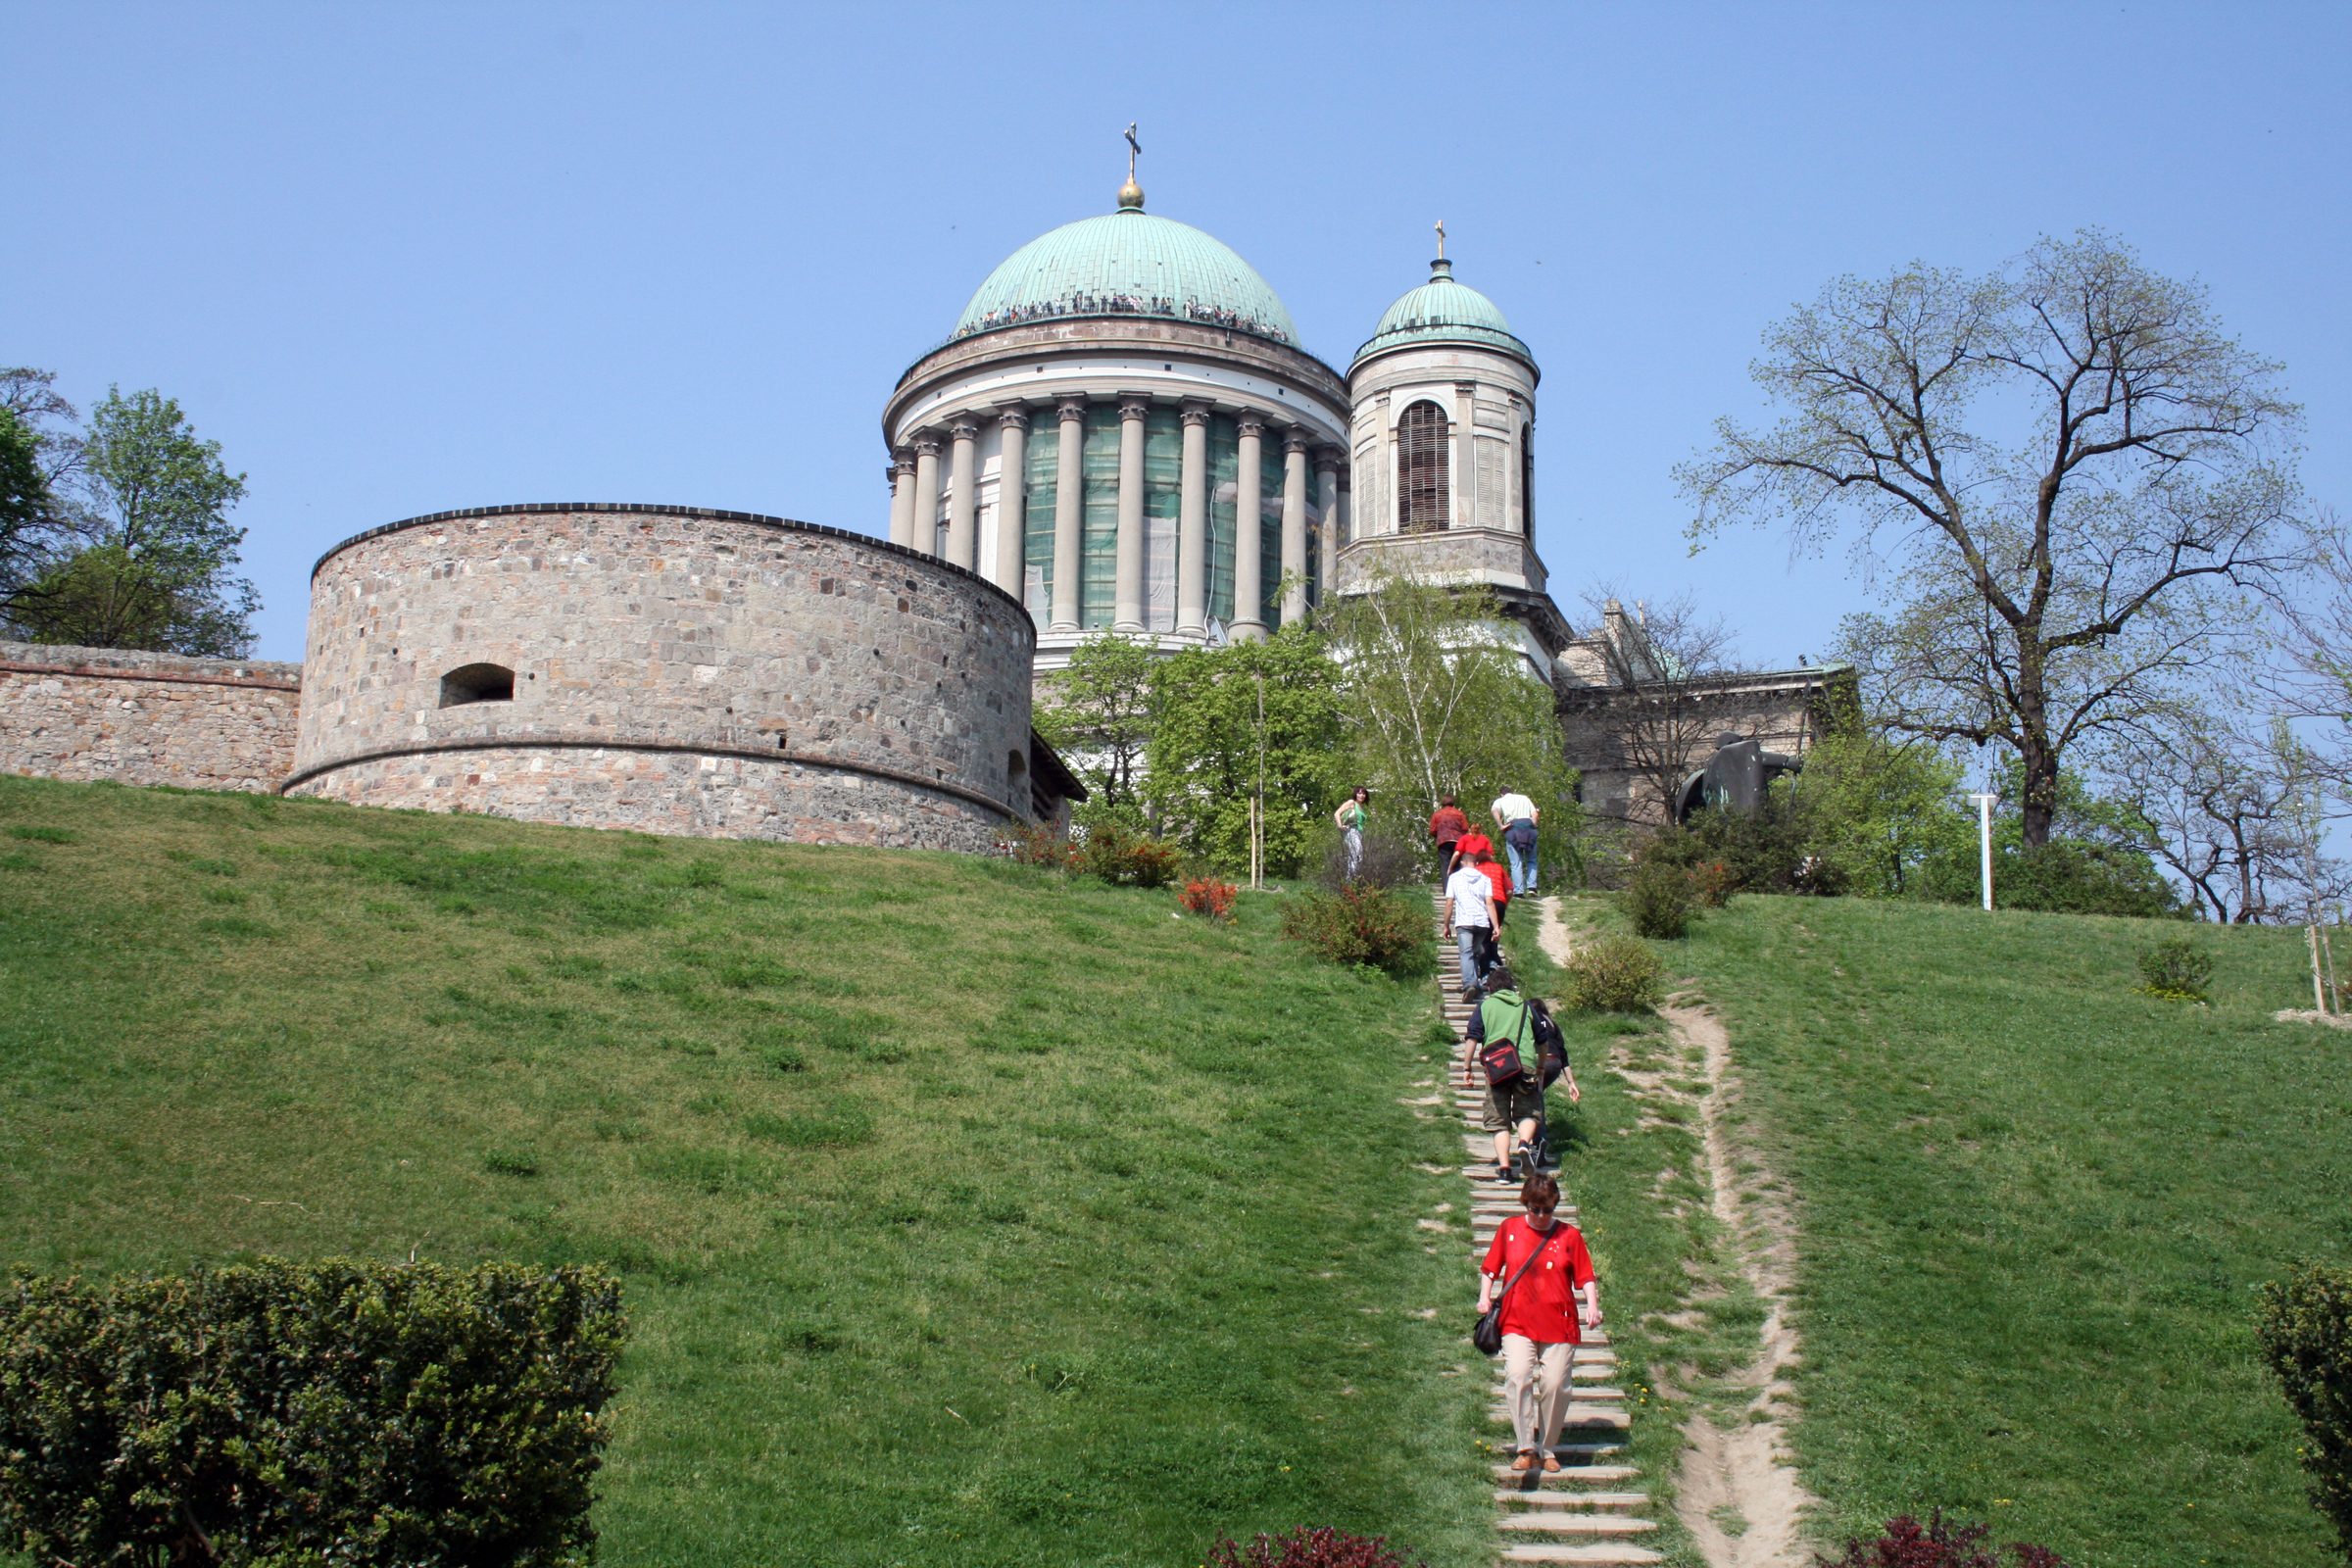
1550	1041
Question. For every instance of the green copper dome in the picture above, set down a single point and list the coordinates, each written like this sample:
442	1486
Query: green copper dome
1443	311
1128	263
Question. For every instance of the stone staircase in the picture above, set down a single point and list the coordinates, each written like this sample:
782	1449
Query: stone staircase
1589	1512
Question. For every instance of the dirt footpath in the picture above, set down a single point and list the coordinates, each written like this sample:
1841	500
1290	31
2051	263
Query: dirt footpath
1737	1493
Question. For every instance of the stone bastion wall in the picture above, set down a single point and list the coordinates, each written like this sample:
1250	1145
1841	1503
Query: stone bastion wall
669	669
88	713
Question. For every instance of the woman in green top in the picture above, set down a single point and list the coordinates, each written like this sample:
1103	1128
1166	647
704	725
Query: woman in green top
1351	818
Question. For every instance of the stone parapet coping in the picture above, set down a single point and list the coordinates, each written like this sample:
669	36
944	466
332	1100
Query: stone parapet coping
304	775
102	672
630	508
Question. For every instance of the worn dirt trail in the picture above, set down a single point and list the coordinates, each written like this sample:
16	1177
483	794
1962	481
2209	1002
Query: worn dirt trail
1738	1494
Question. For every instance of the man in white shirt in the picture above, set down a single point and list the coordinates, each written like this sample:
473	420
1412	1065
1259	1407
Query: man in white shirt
1470	920
1516	815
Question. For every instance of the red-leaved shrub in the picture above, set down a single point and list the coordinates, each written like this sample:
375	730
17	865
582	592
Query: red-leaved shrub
1907	1545
1126	859
1029	845
1206	895
1307	1548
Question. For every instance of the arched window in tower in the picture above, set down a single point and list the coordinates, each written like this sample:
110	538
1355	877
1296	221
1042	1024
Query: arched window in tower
1421	468
1527	480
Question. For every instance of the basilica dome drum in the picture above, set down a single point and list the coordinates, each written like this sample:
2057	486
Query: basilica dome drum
1123	432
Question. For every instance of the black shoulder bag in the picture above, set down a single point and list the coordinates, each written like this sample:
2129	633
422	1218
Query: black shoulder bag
1488	1334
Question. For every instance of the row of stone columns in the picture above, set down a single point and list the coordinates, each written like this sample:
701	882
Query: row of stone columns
915	477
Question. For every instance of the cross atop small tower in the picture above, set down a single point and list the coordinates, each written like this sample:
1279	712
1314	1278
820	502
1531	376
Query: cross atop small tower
1131	195
1441	221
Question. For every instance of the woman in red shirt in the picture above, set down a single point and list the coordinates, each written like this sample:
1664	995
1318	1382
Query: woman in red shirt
1539	1316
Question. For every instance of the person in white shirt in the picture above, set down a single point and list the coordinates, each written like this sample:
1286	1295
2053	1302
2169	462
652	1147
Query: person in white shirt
1516	815
1470	920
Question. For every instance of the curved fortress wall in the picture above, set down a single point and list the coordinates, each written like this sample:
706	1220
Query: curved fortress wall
668	669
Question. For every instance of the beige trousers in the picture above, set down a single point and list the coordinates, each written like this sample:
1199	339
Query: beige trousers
1535	1390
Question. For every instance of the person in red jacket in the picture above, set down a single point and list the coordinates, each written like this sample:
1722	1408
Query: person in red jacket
1542	1317
1501	876
1447	824
1470	846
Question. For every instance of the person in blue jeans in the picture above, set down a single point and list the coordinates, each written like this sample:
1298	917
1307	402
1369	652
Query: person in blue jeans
1470	921
1516	815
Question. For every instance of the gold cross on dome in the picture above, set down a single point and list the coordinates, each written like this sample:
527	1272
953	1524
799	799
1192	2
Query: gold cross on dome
1133	147
1441	239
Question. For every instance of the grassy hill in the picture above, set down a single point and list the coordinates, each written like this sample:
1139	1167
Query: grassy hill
2035	1207
967	1215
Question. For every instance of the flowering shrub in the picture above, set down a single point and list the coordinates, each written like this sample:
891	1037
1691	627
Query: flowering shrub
1027	844
1126	859
1206	895
1905	1545
1713	882
1307	1548
2175	969
1365	925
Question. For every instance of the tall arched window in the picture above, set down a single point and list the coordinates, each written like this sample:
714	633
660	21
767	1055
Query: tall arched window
1421	468
1527	479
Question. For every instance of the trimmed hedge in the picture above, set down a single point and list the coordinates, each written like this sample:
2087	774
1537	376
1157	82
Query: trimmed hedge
361	1412
2306	1332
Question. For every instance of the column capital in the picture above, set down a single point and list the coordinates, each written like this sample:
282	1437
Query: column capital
1297	439
1327	460
901	459
1134	405
1070	406
1250	421
894	473
1193	410
926	443
964	429
1014	415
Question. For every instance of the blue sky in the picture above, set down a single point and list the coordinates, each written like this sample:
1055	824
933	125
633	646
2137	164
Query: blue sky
405	258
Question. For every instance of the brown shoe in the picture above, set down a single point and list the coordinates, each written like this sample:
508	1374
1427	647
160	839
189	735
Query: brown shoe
1525	1462
1551	1464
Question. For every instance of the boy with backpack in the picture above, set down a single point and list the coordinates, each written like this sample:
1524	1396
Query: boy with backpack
1513	1047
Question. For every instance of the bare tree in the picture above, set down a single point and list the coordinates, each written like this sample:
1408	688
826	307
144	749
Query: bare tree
2220	807
2077	474
1666	689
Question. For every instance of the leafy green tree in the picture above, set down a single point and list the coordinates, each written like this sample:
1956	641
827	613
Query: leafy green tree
2072	475
1204	750
157	572
1440	703
27	507
1096	712
2096	862
1880	810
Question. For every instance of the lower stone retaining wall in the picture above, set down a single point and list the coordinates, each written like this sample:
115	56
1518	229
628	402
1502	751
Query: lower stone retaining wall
701	794
87	713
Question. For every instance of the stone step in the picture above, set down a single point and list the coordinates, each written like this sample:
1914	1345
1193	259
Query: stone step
1598	1554
1562	1523
1532	1497
1580	1420
1575	1475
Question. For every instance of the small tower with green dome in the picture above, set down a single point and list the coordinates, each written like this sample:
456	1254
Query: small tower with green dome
1443	413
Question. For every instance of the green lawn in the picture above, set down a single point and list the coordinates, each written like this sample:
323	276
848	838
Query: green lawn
2035	1207
967	1216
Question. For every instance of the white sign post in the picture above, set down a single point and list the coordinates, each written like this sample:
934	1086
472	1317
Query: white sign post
1984	841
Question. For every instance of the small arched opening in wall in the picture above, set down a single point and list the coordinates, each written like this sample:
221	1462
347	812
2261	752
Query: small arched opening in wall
477	683
1016	780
